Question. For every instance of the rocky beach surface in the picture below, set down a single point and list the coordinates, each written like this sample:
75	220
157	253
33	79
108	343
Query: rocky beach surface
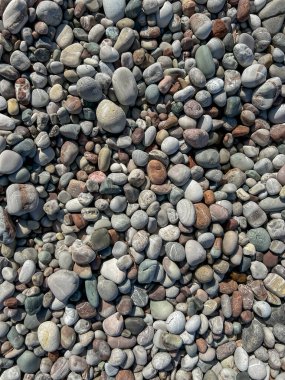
142	190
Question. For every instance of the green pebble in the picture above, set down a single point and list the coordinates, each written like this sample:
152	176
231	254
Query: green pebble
260	238
204	61
91	292
34	304
28	362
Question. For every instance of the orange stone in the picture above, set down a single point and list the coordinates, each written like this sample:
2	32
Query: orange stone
188	7
125	374
203	216
201	345
209	197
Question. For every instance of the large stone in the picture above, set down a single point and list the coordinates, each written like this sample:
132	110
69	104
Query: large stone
10	162
110	117
49	12
63	283
252	336
71	55
21	199
49	336
15	16
126	94
275	284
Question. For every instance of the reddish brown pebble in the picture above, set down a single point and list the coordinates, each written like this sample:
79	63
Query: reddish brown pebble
243	10
201	345
240	130
219	28
277	132
125	374
158	294
79	221
11	303
236	304
85	310
156	172
246	316
188	7
270	260
247	297
203	216
228	287
73	105
196	138
209	197
137	135
75	187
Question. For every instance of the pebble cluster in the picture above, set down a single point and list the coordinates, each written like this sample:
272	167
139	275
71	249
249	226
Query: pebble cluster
142	187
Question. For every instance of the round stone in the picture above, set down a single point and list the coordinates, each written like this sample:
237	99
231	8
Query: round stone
49	12
176	322
110	117
10	162
28	362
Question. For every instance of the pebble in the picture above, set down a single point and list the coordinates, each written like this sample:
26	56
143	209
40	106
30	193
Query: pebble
10	162
63	283
15	15
21	199
252	337
125	95
49	12
49	336
110	117
256	369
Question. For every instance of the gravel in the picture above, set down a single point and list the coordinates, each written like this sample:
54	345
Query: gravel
142	180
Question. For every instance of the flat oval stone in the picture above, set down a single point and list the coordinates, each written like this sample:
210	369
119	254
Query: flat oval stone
204	61
10	162
28	362
252	336
254	75
110	117
186	212
64	36
15	16
126	95
49	336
